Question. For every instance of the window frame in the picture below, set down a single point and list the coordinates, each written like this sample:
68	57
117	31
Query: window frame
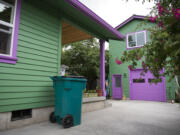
11	58
132	33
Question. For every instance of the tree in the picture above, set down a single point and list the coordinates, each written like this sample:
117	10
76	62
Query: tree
83	59
164	49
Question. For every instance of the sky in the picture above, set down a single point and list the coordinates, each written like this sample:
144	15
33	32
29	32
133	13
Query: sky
115	12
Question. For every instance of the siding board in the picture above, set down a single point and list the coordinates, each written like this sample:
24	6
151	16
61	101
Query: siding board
26	72
26	23
36	39
29	83
35	14
20	41
42	62
25	100
26	19
31	56
16	89
26	95
37	32
38	48
39	37
29	67
24	77
27	106
38	52
38	62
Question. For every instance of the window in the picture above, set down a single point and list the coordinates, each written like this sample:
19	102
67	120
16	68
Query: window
150	80
136	39
118	82
138	80
8	30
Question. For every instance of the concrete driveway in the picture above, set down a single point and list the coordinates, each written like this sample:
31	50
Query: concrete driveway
123	118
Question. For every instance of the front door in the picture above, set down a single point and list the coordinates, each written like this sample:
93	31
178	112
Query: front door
117	86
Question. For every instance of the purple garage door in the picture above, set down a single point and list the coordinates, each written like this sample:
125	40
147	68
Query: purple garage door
141	87
117	86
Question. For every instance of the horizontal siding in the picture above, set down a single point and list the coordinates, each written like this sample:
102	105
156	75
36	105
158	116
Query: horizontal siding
8	108
27	22
19	95
37	52
27	84
25	100
35	40
20	71
24	77
48	17
38	37
17	89
27	66
30	83
36	57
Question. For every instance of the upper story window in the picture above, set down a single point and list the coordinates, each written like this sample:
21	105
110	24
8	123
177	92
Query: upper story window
7	17
136	39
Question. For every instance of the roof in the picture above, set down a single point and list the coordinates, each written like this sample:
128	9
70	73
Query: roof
130	19
81	16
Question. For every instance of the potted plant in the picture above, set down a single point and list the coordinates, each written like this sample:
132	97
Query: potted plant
99	91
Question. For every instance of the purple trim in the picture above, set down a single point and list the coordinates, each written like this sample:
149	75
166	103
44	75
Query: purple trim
12	59
130	19
136	46
114	89
81	7
102	66
130	88
15	41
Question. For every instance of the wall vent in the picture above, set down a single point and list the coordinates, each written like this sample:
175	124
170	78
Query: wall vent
21	114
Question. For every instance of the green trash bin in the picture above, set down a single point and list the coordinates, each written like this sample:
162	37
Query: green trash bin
68	100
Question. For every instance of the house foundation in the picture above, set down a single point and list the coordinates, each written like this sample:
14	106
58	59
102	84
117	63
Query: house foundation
42	114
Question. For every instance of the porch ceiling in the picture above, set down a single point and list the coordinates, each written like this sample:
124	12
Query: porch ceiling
72	34
79	15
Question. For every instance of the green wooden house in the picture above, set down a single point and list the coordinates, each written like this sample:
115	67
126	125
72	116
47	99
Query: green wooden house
31	35
127	83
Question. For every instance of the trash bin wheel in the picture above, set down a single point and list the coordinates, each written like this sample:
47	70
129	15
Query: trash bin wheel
52	118
67	121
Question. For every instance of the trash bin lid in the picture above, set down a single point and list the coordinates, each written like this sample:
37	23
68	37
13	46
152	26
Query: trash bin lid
75	78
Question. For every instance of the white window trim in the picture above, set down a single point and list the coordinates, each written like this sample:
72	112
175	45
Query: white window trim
127	43
11	25
5	3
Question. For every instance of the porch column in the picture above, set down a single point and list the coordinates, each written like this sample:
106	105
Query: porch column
102	66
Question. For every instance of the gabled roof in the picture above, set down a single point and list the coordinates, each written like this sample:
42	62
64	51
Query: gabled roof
130	19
